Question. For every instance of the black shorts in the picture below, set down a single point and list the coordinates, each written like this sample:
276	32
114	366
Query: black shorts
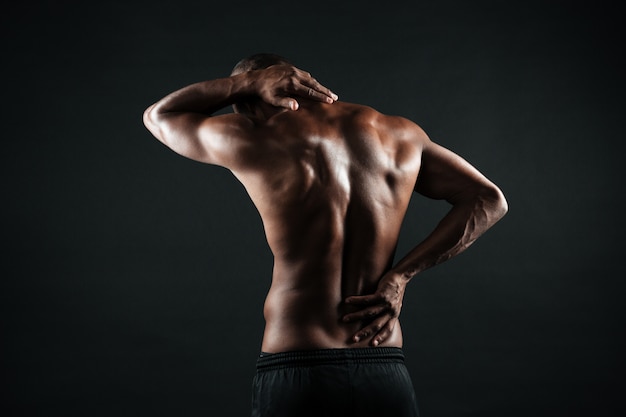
333	382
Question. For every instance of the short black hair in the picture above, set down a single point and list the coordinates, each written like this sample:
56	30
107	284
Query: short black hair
258	61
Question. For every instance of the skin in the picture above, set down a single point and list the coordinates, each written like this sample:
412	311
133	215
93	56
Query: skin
332	182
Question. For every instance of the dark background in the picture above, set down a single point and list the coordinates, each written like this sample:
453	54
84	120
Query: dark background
133	279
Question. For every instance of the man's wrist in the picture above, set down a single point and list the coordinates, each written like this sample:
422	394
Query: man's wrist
245	85
403	275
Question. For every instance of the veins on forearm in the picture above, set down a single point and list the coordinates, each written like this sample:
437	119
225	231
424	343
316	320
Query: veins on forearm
458	230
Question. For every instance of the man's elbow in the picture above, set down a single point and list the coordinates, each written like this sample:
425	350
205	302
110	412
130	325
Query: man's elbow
495	200
149	120
148	117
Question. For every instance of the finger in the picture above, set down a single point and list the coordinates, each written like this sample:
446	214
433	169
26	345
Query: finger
366	313
311	88
307	80
321	89
364	299
303	73
371	329
311	93
287	103
384	333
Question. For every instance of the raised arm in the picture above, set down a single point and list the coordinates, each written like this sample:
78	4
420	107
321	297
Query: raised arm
183	120
477	204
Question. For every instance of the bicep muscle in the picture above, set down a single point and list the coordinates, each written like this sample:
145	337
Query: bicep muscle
445	175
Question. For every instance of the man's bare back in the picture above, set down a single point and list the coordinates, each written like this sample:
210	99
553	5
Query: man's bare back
332	187
332	182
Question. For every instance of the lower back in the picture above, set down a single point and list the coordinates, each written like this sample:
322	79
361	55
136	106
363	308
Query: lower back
311	319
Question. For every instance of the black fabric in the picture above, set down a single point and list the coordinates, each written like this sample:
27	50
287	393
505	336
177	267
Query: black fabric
333	382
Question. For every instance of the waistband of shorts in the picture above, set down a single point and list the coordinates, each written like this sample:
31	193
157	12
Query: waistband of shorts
307	358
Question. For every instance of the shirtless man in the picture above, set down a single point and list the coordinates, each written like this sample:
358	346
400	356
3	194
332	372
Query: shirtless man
332	183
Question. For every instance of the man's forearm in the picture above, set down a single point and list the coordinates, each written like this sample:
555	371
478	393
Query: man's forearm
207	97
471	215
468	219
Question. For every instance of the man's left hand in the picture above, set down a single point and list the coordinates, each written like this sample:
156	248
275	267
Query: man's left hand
380	310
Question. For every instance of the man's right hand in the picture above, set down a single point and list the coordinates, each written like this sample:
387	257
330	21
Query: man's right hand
279	85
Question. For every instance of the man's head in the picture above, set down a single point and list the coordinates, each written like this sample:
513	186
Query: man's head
255	62
258	61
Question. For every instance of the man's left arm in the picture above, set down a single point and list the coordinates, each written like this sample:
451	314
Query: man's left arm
477	204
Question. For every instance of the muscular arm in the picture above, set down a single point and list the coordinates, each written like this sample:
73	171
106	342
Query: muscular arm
182	120
477	204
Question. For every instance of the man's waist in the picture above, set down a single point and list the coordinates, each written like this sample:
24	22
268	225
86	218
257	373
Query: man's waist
318	357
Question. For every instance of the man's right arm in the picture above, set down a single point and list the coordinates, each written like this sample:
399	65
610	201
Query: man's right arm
183	119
